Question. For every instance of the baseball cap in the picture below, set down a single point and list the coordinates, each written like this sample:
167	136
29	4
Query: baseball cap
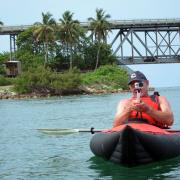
136	76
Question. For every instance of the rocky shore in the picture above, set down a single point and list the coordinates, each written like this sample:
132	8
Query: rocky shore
7	92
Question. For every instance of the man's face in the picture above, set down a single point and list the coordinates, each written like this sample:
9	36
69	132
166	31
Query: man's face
144	88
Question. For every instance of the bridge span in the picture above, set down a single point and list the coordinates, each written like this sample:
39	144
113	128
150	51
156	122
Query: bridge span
143	41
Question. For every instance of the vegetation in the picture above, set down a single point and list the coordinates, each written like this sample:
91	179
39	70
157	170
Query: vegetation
65	45
61	58
100	27
3	58
107	77
43	80
4	81
70	33
45	31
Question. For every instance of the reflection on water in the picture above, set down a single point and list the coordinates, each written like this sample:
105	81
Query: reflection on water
158	170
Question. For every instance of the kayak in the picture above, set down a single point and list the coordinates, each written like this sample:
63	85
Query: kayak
135	144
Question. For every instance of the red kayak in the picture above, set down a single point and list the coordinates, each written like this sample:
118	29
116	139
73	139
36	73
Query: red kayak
134	144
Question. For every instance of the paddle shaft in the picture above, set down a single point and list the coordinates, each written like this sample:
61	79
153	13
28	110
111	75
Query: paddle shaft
92	130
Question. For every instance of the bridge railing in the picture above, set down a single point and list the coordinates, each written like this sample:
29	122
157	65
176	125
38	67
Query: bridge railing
129	60
19	28
146	21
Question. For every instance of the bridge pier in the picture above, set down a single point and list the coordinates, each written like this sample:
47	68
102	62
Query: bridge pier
12	46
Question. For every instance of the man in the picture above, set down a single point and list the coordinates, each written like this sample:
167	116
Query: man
153	109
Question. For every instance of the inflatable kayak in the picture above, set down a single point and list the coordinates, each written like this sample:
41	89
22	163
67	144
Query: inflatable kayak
135	144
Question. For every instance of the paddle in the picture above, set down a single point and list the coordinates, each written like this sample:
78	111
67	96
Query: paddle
59	131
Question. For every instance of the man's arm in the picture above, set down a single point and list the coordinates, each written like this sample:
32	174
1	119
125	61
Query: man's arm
123	111
165	115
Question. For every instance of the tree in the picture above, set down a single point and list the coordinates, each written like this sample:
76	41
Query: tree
106	55
45	31
26	41
100	28
1	23
70	33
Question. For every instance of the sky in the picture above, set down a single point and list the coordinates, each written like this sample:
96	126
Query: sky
21	12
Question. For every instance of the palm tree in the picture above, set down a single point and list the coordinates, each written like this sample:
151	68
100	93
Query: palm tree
45	31
100	28
70	32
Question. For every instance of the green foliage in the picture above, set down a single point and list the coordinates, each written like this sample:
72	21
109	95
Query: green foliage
45	31
33	80
68	81
43	80
4	81
64	45
70	34
105	56
29	60
3	58
111	76
2	69
100	25
25	41
59	63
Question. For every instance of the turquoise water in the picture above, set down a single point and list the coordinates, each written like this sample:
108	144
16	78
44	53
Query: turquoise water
26	153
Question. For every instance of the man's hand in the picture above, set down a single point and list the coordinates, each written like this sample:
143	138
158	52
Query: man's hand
140	106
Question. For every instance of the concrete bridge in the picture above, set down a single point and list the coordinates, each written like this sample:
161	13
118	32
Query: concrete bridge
143	41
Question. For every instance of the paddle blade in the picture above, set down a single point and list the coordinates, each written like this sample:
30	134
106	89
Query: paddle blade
58	131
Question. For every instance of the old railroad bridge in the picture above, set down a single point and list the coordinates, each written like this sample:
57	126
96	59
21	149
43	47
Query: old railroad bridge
144	41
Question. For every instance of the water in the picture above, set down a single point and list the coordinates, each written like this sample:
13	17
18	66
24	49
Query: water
25	153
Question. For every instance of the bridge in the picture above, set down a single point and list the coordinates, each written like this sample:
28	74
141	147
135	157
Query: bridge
143	41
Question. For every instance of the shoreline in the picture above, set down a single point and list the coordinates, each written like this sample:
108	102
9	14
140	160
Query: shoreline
6	92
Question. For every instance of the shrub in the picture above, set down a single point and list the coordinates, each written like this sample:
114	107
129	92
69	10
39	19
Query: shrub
110	75
4	81
43	80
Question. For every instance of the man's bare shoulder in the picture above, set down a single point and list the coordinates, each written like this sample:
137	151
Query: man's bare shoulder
164	104
163	99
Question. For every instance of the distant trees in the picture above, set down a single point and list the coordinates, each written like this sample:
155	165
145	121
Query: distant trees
26	41
70	32
64	44
1	23
45	31
100	27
